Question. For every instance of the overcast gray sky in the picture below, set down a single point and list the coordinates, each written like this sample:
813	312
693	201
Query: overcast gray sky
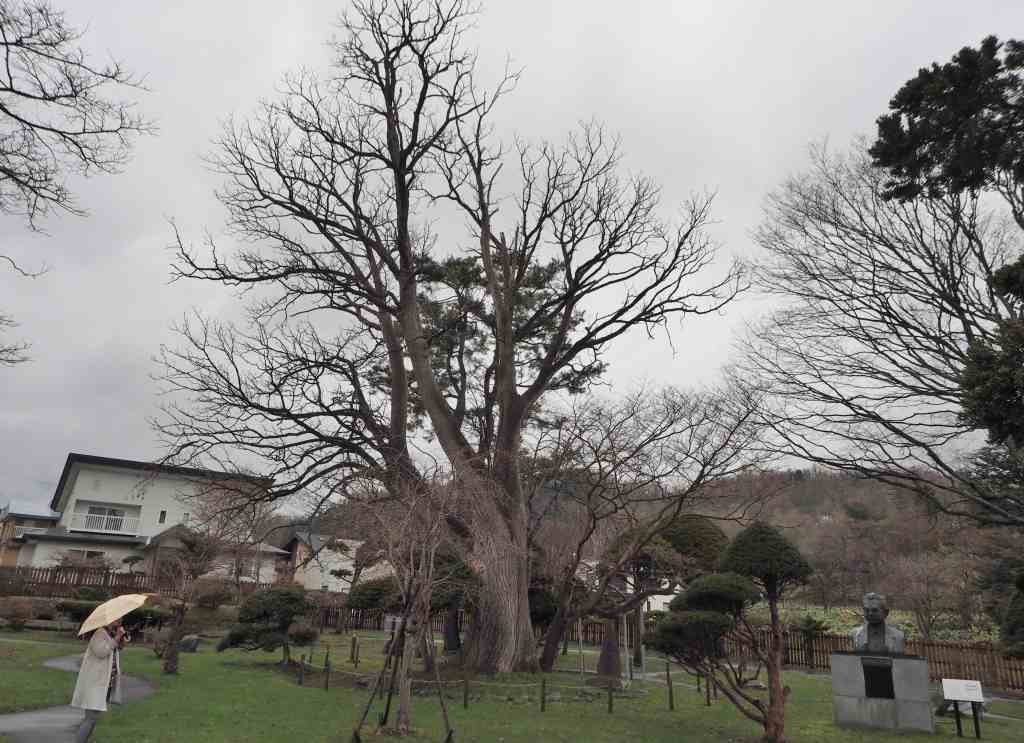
721	94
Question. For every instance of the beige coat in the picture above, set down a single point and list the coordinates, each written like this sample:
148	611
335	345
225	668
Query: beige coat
94	675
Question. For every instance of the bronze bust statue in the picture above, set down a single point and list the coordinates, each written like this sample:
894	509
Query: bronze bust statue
875	636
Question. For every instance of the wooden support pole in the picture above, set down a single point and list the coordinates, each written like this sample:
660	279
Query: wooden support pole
356	638
352	650
707	691
465	692
302	669
610	696
327	674
977	720
543	693
668	680
959	725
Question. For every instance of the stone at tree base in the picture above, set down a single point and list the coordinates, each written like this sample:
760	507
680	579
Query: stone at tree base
189	644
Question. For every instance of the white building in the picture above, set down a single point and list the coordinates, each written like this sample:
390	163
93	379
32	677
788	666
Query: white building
110	509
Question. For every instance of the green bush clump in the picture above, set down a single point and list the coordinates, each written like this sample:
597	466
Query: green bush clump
761	553
691	635
1011	630
147	616
379	593
92	593
303	634
265	619
212	594
727	593
18	613
77	611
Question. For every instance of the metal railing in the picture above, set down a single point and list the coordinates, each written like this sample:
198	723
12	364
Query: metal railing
20	530
105	524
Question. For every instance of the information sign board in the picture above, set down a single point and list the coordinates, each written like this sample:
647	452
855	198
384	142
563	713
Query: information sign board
962	690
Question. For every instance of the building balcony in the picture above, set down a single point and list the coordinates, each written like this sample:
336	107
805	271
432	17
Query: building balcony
126	525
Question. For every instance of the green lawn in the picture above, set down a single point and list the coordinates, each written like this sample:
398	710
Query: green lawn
24	682
237	696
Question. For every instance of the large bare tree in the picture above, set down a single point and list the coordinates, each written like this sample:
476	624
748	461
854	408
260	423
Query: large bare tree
375	318
879	301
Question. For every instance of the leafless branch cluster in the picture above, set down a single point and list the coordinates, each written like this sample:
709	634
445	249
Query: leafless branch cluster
880	301
56	113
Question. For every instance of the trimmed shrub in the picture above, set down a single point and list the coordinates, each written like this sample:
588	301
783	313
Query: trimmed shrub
810	625
18	613
147	616
700	540
727	593
46	610
761	552
212	594
92	593
691	635
77	611
265	618
379	593
303	634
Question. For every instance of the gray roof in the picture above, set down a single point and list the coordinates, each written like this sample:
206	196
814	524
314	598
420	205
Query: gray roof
62	535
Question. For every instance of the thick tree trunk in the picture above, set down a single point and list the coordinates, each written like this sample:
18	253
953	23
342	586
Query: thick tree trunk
170	654
775	716
452	641
609	664
552	639
638	646
502	633
426	648
403	715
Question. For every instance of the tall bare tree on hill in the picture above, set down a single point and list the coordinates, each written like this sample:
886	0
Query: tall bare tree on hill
368	324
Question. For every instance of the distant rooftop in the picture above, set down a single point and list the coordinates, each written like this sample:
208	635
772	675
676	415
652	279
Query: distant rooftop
27	510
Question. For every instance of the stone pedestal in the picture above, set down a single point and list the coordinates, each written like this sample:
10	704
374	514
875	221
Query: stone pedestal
888	692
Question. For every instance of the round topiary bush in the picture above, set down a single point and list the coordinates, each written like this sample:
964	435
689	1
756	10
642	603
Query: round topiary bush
727	593
691	635
379	593
761	552
699	539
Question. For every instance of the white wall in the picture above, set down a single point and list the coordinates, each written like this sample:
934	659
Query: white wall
48	554
26	555
264	575
317	572
131	489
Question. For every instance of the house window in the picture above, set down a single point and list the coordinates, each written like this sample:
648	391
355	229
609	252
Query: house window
245	568
83	557
163	516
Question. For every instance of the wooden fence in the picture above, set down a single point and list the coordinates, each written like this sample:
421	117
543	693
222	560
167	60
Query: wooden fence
982	661
64	582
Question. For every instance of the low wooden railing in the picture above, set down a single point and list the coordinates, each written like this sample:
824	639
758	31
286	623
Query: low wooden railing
982	661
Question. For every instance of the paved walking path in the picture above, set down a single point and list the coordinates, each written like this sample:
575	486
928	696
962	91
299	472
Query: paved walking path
58	724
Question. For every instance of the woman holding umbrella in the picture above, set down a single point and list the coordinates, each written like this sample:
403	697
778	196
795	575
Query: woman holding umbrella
101	665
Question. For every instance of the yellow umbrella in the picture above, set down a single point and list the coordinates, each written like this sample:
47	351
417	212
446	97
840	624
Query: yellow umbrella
112	610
